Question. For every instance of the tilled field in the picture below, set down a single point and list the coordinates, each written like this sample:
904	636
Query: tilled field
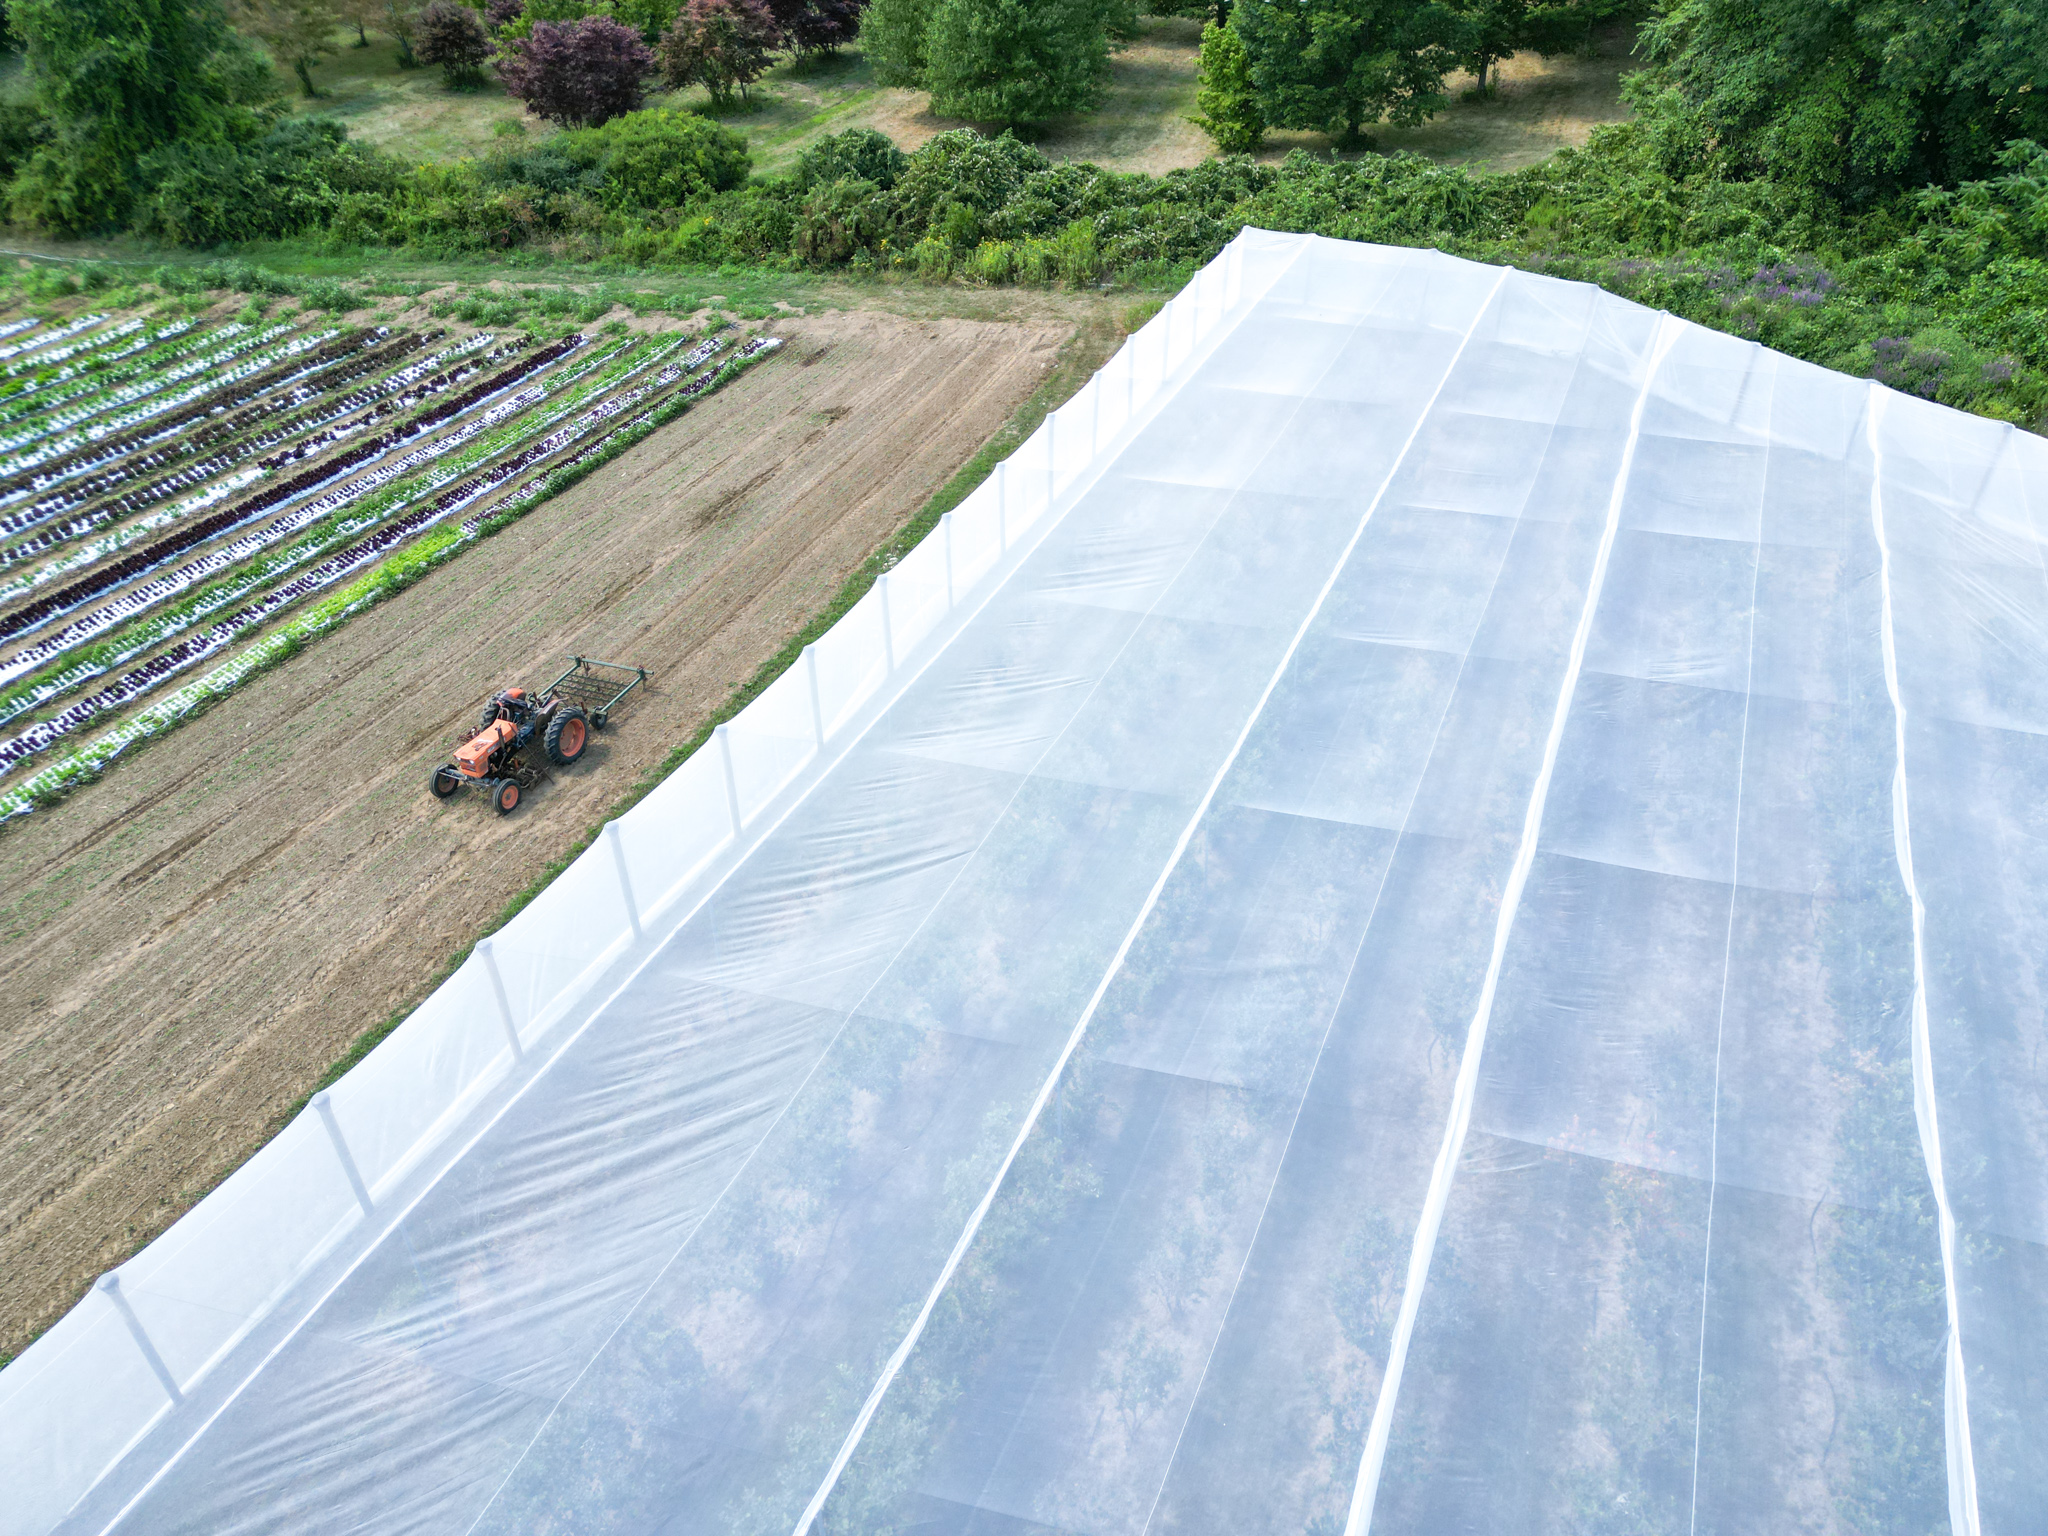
189	942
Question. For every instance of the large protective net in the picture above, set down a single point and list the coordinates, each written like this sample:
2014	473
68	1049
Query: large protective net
1425	916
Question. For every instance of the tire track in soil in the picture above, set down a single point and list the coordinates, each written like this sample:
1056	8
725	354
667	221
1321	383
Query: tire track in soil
302	884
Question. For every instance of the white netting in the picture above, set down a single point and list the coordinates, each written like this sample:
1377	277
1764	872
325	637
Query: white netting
1423	915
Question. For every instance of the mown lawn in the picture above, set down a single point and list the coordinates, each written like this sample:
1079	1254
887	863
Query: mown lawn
1539	105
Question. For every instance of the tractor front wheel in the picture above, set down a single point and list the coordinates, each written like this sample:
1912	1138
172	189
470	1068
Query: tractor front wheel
444	782
506	798
568	734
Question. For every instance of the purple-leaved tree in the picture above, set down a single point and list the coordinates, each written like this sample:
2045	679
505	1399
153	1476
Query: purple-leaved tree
721	45
577	73
817	26
453	37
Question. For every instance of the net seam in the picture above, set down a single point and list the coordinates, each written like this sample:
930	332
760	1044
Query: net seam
1962	1466
1301	1104
1359	1519
1756	572
966	1239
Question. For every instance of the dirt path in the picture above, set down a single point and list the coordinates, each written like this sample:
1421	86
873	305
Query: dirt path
189	943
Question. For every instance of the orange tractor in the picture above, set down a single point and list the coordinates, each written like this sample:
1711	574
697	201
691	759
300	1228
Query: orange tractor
561	716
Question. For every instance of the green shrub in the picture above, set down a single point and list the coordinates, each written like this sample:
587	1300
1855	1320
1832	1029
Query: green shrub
1076	254
962	167
835	220
932	260
659	158
294	178
860	153
994	262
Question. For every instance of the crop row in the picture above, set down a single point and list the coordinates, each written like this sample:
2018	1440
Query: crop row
157	430
33	615
117	462
157	719
191	651
365	502
388	396
103	459
536	490
201	368
318	541
174	357
93	368
40	393
38	416
81	324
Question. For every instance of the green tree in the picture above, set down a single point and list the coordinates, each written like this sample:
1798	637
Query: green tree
360	14
398	21
1226	104
1217	11
1860	97
1017	61
1336	65
892	37
1499	29
293	32
1494	30
118	79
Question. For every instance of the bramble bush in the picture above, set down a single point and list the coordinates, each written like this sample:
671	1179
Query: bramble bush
1940	289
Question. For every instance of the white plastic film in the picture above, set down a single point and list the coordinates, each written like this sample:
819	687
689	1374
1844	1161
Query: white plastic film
1422	915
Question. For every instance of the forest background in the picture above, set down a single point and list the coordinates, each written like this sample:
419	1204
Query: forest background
1858	182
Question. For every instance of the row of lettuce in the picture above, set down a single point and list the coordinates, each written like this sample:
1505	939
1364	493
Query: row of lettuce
170	491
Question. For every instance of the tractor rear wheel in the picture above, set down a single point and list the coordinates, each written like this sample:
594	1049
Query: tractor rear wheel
444	782
568	734
488	718
506	798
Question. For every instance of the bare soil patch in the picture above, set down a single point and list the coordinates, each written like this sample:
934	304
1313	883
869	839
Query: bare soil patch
185	946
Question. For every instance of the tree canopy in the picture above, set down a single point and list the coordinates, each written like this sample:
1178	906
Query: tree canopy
578	73
1017	61
998	61
892	36
454	37
294	32
1860	97
1337	65
118	79
723	45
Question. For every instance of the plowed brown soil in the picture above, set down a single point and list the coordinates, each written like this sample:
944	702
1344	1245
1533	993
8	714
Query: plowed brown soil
186	946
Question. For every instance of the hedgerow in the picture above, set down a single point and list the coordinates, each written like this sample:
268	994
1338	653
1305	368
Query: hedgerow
1936	291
